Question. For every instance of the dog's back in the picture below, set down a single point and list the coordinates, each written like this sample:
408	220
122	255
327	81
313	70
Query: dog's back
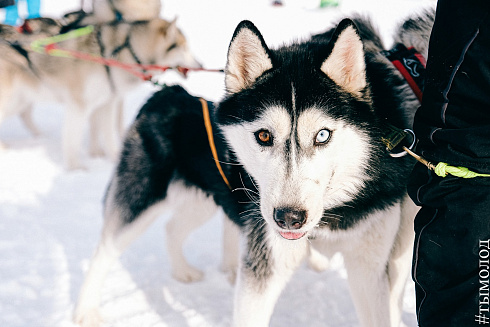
167	141
128	10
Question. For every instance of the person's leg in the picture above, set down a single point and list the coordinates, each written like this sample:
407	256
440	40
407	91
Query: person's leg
452	247
451	253
11	15
33	8
6	3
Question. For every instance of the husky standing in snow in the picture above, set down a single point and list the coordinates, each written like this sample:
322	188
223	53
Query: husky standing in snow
86	87
12	40
105	11
299	162
128	10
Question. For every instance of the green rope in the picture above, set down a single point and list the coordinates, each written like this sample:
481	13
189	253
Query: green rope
40	45
443	169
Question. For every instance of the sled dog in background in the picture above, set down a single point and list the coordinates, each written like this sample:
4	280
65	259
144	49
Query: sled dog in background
12	43
298	139
127	10
86	87
106	11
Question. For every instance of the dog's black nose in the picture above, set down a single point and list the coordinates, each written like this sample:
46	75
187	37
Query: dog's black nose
289	218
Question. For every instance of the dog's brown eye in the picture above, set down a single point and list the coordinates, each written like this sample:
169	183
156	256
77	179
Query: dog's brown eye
264	137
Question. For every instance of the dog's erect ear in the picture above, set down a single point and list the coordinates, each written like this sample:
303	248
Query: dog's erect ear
345	64
248	57
172	29
165	28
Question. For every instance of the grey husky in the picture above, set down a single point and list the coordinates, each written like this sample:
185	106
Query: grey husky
86	87
299	166
128	10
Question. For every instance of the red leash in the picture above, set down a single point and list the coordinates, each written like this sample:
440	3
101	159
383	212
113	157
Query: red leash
135	69
50	46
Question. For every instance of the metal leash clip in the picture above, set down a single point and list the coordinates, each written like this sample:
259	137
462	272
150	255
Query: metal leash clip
394	138
403	152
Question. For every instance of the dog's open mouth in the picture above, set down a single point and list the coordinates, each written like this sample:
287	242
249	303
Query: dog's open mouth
292	235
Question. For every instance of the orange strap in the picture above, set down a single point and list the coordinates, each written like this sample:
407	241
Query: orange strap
209	130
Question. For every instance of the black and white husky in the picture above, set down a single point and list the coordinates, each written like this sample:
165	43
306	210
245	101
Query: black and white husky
298	137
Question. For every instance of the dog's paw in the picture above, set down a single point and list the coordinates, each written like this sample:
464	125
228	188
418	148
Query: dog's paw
75	166
231	273
96	152
317	261
88	318
188	274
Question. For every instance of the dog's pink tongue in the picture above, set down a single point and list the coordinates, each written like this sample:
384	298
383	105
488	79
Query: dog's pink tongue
291	235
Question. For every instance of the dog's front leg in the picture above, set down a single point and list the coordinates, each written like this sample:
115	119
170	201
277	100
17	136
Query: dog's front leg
75	121
231	249
377	264
265	269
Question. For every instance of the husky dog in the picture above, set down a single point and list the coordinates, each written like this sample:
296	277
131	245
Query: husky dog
105	11
86	87
12	46
128	10
298	139
38	25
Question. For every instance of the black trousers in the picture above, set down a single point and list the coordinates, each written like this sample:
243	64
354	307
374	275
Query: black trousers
6	3
451	262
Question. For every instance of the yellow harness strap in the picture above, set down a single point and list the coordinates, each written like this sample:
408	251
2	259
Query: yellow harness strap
209	130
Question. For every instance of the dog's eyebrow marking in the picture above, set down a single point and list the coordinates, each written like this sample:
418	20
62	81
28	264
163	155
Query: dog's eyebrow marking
294	130
289	151
293	100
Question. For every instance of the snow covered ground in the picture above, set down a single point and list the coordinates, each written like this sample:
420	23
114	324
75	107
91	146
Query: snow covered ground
50	219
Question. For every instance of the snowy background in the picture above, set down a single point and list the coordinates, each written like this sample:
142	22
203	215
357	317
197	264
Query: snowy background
50	219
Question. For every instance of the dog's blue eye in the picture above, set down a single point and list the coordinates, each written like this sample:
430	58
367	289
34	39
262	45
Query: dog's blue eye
264	137
322	137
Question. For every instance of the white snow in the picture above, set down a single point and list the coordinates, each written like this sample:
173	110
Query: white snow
50	219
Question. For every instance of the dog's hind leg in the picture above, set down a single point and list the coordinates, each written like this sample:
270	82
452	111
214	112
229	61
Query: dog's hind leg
74	124
367	261
266	267
26	116
2	117
104	132
95	143
231	249
117	235
193	209
135	197
316	260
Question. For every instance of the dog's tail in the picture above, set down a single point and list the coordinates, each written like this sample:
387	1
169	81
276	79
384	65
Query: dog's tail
367	31
415	31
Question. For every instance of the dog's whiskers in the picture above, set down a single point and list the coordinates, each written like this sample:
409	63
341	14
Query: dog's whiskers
250	212
248	202
228	163
334	217
253	183
259	223
244	189
249	192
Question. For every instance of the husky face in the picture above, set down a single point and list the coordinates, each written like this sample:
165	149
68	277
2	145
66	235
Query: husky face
171	45
292	118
